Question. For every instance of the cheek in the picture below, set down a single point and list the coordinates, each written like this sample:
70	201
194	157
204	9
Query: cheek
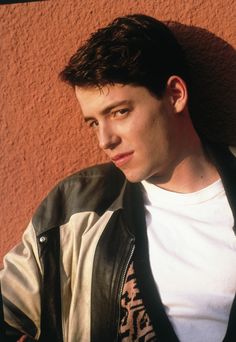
143	135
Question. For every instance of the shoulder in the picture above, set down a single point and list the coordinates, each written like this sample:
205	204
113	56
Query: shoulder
93	189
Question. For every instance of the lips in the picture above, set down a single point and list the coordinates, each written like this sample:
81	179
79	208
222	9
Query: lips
122	158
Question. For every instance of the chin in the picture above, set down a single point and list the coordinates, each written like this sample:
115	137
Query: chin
134	177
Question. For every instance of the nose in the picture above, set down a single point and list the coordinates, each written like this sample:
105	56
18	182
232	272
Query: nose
107	138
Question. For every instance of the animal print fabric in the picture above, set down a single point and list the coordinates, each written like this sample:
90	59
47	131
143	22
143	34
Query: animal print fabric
135	324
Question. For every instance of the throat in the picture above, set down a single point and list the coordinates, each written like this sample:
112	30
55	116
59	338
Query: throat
188	176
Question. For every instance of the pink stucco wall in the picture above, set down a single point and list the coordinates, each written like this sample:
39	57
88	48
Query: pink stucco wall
42	136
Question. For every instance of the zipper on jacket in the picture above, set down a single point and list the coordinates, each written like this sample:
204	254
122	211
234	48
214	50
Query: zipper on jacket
121	287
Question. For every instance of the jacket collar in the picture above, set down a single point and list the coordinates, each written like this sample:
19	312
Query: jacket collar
225	162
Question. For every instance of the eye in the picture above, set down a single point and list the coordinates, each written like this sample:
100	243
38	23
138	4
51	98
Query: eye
92	123
120	112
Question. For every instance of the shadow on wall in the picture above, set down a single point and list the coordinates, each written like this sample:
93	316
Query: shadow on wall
212	63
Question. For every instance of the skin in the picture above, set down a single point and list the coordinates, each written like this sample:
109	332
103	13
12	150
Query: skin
148	137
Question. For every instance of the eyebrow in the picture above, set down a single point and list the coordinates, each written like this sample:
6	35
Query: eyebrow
109	108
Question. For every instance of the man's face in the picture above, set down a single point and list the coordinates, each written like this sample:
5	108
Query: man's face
136	130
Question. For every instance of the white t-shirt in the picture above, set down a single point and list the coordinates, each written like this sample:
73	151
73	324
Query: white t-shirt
192	250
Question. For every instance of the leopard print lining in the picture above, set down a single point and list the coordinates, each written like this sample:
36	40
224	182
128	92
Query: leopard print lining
135	324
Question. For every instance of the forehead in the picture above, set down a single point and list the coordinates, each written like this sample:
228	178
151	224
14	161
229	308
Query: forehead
96	95
94	99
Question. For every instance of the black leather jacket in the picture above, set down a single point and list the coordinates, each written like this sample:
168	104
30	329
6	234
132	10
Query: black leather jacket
123	237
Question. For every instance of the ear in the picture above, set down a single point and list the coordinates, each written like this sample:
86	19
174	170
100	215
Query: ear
177	91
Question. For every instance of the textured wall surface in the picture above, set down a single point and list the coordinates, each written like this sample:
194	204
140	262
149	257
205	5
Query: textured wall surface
42	136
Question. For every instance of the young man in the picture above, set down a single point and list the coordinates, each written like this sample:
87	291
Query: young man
142	248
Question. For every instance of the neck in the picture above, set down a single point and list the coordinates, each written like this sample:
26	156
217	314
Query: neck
191	171
192	174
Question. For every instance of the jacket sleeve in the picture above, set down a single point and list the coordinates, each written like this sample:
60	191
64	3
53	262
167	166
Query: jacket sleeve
20	281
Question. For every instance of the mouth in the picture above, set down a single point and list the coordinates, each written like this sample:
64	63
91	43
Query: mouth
122	158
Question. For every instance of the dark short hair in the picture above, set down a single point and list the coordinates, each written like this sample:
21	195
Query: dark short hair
134	49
